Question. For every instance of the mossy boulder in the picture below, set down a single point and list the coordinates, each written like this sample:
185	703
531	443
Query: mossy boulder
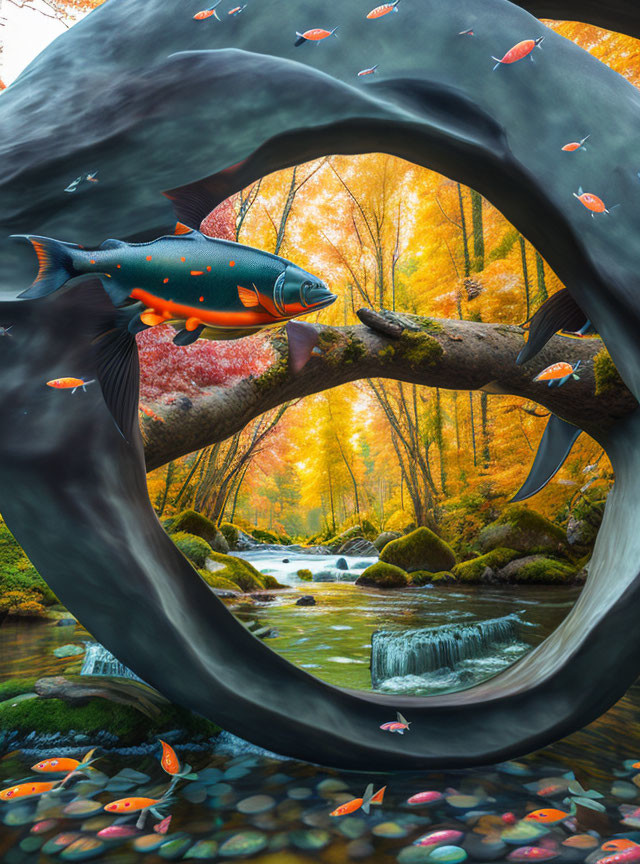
381	575
424	577
239	572
419	550
194	548
352	533
305	575
484	568
47	716
584	524
230	533
538	569
526	531
191	522
264	536
219	583
385	537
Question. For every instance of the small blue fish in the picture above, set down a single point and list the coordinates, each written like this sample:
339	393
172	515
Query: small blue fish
91	177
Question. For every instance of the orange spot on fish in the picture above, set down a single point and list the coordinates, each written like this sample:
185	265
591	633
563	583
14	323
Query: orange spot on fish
201	299
118	266
67	383
183	259
149	257
192	323
208	266
92	261
232	263
197	272
131	804
165	280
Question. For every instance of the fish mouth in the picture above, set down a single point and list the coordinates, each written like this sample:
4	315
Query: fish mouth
319	296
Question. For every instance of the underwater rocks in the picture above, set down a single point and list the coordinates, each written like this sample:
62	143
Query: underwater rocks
419	550
306	600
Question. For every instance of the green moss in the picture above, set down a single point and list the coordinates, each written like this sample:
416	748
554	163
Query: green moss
381	575
231	534
305	575
354	350
606	375
274	375
547	571
16	687
424	577
430	325
194	548
368	529
215	580
471	571
348	534
190	522
242	574
420	349
265	536
387	353
17	573
328	338
419	550
525	530
130	725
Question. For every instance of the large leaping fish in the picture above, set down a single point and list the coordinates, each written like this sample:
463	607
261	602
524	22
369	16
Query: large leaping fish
202	285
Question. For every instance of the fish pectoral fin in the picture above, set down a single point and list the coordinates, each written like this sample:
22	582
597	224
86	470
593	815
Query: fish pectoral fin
555	445
118	371
248	297
150	317
559	312
182	229
302	339
188	337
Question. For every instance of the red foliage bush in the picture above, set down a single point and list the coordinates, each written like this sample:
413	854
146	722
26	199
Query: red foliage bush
167	369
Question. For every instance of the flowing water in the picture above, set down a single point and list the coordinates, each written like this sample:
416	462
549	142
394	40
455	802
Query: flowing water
247	804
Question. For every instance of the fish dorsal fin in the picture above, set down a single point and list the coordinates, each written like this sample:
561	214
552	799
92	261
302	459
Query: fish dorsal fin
248	297
559	312
192	203
401	718
182	229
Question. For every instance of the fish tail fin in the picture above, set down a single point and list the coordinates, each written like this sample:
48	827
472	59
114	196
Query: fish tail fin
333	32
56	264
498	62
366	798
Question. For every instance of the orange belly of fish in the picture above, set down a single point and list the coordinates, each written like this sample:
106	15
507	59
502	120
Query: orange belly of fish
166	310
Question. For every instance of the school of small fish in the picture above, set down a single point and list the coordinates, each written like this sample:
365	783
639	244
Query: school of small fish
514	811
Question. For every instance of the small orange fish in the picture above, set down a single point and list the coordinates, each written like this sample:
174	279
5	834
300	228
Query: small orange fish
63	764
357	803
379	11
58	764
558	374
400	725
518	52
131	805
369	71
590	201
316	35
236	10
169	760
548	816
26	790
575	145
69	383
207	13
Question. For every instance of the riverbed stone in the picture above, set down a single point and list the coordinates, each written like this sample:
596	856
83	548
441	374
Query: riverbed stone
68	650
422	549
383	575
385	537
306	600
341	564
358	546
537	569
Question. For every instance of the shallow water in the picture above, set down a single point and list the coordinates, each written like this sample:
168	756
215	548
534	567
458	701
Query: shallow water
333	638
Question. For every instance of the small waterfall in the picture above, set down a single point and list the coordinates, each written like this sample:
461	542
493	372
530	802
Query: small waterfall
416	652
99	661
